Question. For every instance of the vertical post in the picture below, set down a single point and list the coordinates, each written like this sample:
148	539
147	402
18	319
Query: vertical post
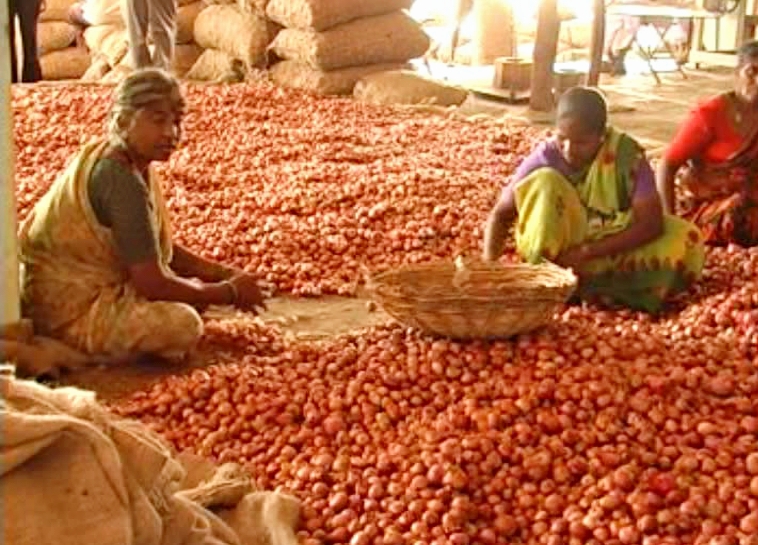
545	50
494	31
597	42
461	10
10	311
741	24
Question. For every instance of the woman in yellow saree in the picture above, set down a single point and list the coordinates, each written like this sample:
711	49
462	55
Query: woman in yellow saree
586	199
99	269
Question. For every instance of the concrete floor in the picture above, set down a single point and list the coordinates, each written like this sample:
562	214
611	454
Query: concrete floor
638	105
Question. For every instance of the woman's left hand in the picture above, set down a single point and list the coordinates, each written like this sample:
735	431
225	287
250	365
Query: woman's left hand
573	258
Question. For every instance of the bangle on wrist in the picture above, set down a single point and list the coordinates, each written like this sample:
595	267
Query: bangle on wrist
232	290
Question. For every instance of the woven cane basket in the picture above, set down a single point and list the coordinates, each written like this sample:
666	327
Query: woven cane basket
473	300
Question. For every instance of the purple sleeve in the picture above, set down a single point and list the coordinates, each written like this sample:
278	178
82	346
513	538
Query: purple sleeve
546	154
533	161
644	179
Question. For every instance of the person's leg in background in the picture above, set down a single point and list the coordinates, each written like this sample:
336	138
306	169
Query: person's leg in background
137	17
163	32
28	12
620	42
12	29
79	21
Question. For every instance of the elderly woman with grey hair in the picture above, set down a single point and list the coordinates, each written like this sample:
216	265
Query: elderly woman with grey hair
99	269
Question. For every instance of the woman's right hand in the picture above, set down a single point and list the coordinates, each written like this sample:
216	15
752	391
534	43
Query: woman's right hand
249	296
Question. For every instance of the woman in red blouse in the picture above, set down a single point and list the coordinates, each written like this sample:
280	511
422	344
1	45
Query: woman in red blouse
716	150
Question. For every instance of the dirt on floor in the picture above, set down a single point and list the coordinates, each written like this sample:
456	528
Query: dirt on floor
298	319
325	317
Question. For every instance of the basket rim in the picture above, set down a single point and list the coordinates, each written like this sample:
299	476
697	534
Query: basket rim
500	308
548	269
548	282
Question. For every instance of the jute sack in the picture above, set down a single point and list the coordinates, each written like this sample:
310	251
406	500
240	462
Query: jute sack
97	70
212	65
295	75
241	34
95	34
407	87
388	38
117	73
54	35
56	456
185	57
56	10
113	481
322	14
219	2
105	12
278	513
69	63
109	41
185	21
255	6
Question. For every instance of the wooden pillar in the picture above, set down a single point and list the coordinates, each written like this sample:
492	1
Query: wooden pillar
596	43
545	51
10	311
494	31
462	9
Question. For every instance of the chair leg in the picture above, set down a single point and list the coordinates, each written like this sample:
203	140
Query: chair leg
427	65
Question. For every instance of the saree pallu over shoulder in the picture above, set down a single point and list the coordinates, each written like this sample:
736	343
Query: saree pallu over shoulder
608	186
722	199
70	266
606	189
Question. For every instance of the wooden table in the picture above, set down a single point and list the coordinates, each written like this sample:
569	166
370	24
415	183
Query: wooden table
662	19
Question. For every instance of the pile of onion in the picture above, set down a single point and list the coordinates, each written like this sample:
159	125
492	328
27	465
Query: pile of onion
607	427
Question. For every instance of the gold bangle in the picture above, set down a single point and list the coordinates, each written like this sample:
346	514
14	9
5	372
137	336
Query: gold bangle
233	289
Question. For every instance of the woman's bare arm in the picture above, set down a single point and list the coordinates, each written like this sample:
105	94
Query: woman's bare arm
498	224
187	264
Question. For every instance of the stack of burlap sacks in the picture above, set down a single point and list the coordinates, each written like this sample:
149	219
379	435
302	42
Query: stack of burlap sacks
329	47
235	35
60	58
108	44
72	473
326	46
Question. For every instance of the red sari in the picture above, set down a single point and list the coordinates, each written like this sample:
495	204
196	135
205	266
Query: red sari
720	178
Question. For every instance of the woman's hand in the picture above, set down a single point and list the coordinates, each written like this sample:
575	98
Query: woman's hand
573	258
247	292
